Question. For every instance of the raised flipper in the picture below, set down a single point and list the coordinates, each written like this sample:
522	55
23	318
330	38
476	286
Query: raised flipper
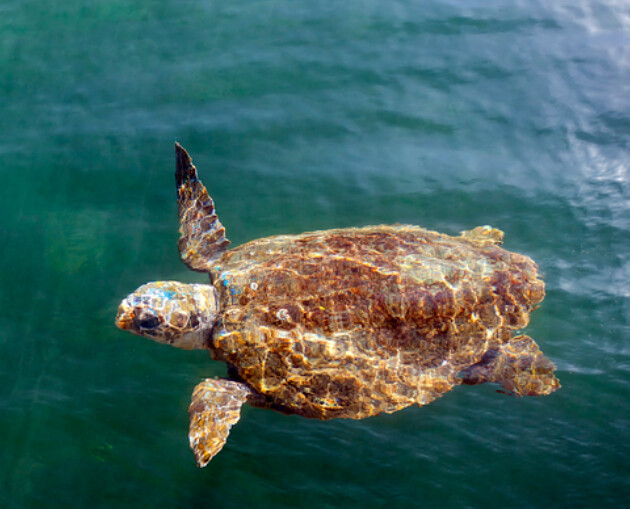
202	236
519	366
484	235
215	408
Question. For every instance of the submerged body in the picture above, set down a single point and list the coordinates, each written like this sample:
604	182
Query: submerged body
354	322
341	323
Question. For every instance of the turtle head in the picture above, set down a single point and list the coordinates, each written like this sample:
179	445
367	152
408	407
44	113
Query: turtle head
169	312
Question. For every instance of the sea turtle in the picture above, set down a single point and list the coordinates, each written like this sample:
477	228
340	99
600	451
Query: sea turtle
346	323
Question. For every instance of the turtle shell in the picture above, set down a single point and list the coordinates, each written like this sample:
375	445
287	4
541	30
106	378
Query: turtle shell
354	322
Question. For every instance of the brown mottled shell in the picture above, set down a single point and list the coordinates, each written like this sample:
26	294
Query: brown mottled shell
354	322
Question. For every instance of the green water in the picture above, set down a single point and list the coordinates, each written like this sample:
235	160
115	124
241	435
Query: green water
300	116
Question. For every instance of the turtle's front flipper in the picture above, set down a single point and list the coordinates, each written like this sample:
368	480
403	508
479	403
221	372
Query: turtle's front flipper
519	366
215	408
202	236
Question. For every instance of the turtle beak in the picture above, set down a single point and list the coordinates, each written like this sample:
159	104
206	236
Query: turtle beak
124	318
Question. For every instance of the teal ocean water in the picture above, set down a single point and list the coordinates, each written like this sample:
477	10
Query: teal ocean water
301	116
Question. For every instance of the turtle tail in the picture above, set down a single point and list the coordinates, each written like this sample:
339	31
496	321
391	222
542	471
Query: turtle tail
518	366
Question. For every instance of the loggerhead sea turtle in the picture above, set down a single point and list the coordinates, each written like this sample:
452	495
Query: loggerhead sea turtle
340	323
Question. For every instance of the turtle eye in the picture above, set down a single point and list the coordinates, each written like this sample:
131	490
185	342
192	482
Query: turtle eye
148	320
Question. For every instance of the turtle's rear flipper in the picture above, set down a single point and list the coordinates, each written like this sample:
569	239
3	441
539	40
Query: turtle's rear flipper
519	366
202	236
215	408
484	236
